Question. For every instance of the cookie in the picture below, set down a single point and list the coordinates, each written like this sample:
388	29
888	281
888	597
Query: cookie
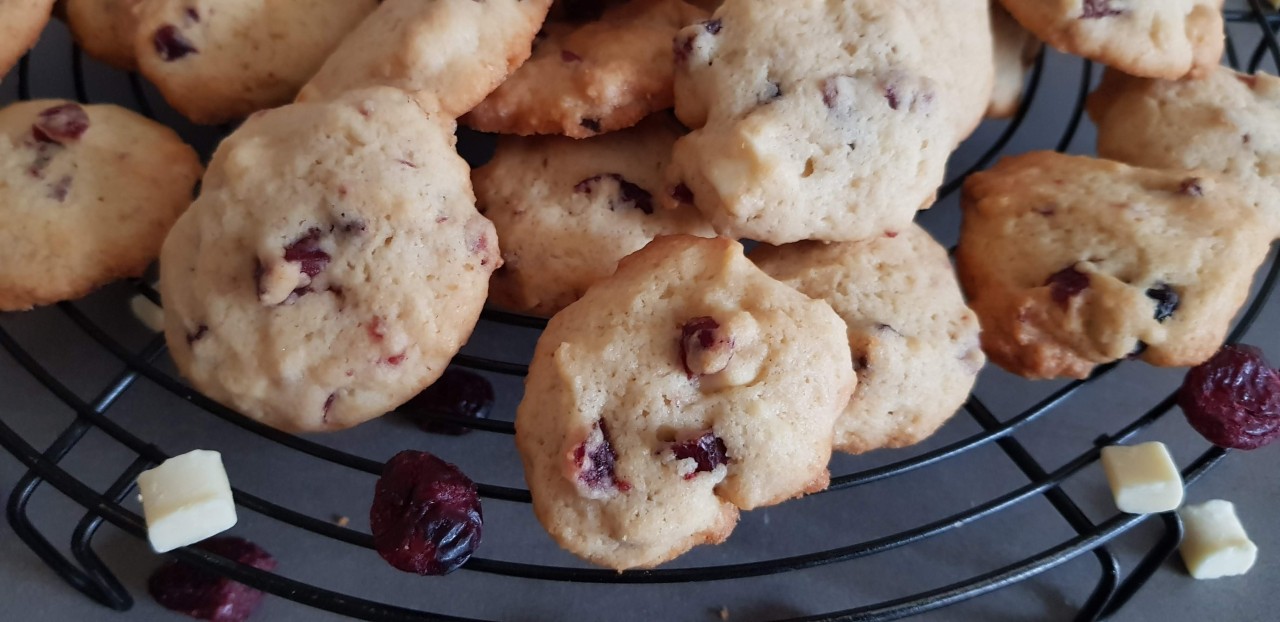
87	194
219	60
567	210
105	29
333	264
21	22
823	120
1227	123
681	389
915	343
1151	38
588	79
1016	50
458	50
1072	262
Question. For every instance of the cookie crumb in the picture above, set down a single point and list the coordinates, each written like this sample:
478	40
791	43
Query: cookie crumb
341	520
724	613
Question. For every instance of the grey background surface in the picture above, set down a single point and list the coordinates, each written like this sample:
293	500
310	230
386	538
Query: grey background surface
29	591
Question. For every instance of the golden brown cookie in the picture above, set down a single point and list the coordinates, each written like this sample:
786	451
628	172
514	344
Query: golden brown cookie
591	78
1072	262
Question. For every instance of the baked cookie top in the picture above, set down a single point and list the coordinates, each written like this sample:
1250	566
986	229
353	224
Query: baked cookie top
567	210
333	264
1071	262
106	29
821	120
22	22
915	343
1016	50
1227	123
87	194
1151	38
219	60
684	387
587	79
458	50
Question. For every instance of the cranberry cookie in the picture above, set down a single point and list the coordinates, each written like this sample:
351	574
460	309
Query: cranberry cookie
825	120
915	343
87	194
592	78
458	50
1016	50
21	22
106	29
332	265
1151	38
219	60
1072	262
1227	123
567	210
685	387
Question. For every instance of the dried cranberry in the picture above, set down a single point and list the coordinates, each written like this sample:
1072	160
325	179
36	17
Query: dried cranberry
459	393
306	251
44	155
1249	80
1066	284
59	191
61	124
426	514
569	57
1191	187
682	194
707	450
628	194
1233	399
830	93
704	349
682	47
201	331
171	44
1167	301
891	95
596	462
184	588
1094	9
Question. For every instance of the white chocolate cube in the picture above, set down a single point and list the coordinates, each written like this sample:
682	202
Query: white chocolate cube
1215	544
1143	478
186	499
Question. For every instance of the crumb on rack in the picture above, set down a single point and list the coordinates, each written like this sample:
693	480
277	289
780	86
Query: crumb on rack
341	521
724	611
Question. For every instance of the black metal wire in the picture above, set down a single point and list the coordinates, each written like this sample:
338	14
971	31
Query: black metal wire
90	575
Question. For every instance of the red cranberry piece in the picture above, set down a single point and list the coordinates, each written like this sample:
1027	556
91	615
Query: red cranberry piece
171	44
1233	399
707	450
184	588
59	191
569	57
61	124
1095	9
1167	301
1066	284
628	195
426	514
459	393
1191	187
682	193
704	349
306	251
891	95
44	155
201	331
1249	80
830	93
596	462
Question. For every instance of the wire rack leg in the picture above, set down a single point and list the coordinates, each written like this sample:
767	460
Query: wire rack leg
98	583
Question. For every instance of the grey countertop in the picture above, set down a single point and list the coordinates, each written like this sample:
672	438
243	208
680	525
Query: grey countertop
29	591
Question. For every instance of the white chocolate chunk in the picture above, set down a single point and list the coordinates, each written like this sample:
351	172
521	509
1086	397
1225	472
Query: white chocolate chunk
1215	544
186	499
1143	478
147	312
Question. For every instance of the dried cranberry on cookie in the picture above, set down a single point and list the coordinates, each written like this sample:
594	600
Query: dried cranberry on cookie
1072	262
681	389
333	264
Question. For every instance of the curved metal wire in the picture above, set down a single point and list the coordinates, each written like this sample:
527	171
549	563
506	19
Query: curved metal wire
95	579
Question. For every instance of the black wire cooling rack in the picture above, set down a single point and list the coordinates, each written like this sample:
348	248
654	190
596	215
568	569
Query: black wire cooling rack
87	572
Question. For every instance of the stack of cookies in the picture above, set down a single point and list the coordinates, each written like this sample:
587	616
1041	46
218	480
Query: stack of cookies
340	251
